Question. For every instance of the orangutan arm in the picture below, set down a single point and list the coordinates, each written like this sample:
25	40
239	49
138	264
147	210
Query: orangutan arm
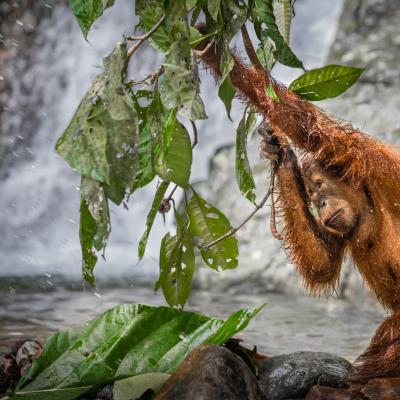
357	157
317	254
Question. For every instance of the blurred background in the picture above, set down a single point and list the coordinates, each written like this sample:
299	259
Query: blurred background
45	68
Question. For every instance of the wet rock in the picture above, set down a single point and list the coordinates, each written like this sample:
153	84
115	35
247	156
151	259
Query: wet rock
106	393
290	376
382	389
211	373
28	351
9	372
327	393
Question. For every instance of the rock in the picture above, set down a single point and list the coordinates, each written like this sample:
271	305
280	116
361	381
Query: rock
29	350
9	372
327	393
211	373
382	389
105	393
290	376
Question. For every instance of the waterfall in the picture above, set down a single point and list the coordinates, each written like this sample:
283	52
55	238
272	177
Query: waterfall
39	199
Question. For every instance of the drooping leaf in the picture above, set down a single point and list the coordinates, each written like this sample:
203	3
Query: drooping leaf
207	223
174	160
102	138
84	142
94	227
180	88
128	340
226	93
176	265
263	14
87	11
244	176
326	82
151	216
133	388
213	8
283	14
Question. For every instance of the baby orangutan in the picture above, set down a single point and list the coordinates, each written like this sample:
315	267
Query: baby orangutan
347	220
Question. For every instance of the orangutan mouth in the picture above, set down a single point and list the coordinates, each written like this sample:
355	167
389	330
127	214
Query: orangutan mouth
331	220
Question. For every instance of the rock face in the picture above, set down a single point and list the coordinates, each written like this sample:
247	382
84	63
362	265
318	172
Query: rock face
368	36
211	373
291	376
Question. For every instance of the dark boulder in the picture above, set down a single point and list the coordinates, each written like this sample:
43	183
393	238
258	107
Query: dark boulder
211	373
291	376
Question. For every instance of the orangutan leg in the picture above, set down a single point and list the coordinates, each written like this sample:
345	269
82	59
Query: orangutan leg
382	357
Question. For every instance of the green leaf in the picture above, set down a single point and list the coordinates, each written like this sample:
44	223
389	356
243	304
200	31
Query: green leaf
208	223
284	14
226	93
87	11
102	138
271	92
176	265
213	8
162	188
244	176
128	340
150	12
132	388
145	173
94	228
173	162
326	82
83	144
263	14
180	88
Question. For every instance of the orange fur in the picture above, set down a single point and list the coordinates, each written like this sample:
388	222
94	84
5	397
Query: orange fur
371	168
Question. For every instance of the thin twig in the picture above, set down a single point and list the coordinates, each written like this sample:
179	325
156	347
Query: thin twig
200	53
244	222
141	39
248	45
272	222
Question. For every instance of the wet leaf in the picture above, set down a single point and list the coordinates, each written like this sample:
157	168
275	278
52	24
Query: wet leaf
271	92
87	11
263	14
226	93
244	176
151	217
94	228
176	265
213	8
326	82
128	340
207	223
174	159
102	138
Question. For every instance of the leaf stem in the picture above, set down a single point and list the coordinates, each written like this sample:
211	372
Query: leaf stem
247	219
141	39
248	45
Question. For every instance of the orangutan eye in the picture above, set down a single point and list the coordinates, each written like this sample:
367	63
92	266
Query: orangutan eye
318	183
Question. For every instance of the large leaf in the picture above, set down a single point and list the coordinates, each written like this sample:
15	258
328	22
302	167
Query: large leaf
244	176
87	11
102	138
283	13
174	159
128	340
208	223
94	227
151	217
176	265
263	14
326	82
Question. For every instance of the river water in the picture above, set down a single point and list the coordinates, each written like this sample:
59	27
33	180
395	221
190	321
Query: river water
287	323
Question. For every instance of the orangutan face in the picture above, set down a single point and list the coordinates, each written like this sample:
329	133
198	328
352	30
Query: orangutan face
336	202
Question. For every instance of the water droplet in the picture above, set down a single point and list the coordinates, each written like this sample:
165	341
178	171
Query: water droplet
20	23
11	290
97	294
72	221
47	275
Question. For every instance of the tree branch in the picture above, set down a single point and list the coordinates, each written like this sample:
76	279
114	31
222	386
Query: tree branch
141	39
248	45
